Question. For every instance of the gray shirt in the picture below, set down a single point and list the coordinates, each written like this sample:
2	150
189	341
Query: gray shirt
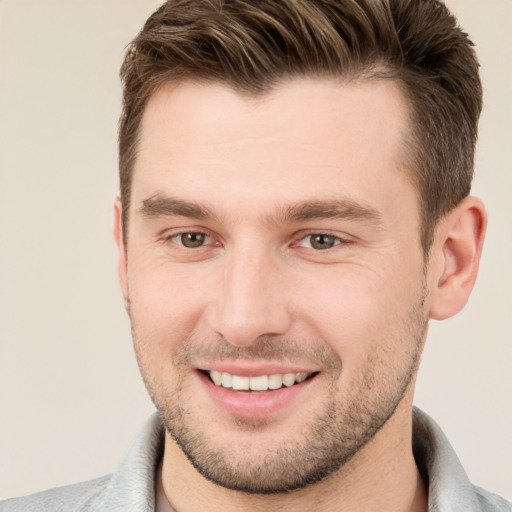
132	487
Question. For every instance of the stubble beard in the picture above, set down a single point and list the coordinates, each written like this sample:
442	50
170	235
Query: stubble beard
328	439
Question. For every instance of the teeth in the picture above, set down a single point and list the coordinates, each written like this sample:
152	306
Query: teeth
299	377
216	377
226	379
289	379
275	381
241	383
259	383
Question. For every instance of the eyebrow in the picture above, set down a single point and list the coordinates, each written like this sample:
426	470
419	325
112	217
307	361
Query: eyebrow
158	206
347	209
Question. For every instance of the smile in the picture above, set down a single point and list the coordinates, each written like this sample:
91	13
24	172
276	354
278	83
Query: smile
250	392
257	383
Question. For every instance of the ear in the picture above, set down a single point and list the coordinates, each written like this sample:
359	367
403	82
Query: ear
455	256
122	267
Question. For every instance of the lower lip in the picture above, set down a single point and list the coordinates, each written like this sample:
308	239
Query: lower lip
254	404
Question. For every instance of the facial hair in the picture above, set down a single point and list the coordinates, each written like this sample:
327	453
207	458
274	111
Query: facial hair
347	419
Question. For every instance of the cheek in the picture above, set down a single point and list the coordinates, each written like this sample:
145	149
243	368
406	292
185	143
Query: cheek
166	301
358	311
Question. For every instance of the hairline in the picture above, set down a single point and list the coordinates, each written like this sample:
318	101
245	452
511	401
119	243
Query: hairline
408	152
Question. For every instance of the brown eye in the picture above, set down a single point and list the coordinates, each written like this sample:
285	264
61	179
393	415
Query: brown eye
192	240
322	241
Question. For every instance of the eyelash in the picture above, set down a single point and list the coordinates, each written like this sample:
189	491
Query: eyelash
335	239
175	236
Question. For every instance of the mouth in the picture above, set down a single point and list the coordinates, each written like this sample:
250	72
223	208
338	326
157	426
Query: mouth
271	382
258	393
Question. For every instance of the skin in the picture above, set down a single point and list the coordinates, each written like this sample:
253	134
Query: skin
259	178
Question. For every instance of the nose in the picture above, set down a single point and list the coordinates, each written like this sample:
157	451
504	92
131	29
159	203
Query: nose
252	301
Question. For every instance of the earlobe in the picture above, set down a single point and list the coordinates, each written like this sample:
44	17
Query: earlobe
121	248
457	249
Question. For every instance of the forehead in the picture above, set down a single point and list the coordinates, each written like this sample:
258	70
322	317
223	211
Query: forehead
306	139
307	108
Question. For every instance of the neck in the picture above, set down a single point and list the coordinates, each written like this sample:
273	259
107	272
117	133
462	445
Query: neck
381	477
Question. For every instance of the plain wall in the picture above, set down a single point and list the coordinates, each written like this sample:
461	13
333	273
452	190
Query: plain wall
71	398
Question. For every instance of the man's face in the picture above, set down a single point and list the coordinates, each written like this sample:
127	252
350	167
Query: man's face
274	243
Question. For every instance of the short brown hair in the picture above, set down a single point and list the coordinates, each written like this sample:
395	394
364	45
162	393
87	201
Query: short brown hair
253	45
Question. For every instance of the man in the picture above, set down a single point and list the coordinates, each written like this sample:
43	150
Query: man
294	208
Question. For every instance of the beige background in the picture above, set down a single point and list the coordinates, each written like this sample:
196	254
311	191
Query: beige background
71	398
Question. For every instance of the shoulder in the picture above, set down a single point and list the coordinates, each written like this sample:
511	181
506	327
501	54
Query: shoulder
449	485
83	497
130	488
491	502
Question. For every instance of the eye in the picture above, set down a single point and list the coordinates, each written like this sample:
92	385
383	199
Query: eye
320	241
191	239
